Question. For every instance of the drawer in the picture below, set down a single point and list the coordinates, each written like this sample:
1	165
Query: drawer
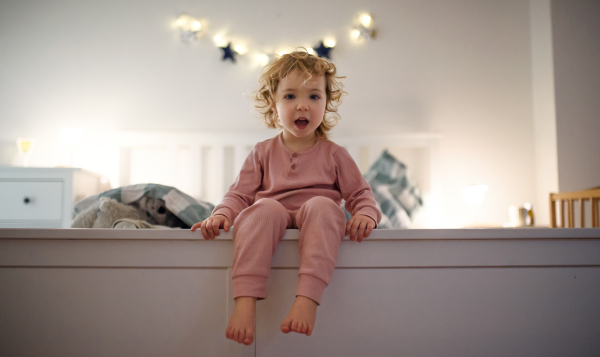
44	200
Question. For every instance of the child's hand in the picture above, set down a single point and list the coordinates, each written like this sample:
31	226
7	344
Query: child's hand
359	224
210	226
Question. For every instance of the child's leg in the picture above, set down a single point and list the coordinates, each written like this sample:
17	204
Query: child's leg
322	226
256	232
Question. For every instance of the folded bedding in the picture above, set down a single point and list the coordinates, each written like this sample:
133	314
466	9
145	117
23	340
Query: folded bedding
397	197
156	204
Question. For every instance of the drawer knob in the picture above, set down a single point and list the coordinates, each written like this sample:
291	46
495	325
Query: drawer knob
26	200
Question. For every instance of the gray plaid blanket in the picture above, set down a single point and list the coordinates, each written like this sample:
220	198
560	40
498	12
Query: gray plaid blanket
180	204
397	197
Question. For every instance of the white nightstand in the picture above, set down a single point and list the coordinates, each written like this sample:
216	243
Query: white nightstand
43	197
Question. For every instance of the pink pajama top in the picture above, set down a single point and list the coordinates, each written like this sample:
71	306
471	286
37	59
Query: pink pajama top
271	170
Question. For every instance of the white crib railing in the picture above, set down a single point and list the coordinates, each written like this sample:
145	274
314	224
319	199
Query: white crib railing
204	165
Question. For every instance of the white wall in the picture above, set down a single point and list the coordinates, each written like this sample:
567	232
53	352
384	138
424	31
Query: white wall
576	36
462	68
544	109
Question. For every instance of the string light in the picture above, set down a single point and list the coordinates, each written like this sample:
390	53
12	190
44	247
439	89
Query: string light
240	49
189	26
364	29
365	20
190	31
262	59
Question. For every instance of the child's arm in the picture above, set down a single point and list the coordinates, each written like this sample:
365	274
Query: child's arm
239	196
360	201
242	192
210	226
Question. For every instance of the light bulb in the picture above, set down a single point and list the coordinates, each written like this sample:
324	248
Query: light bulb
355	34
330	43
219	41
262	59
365	19
196	26
310	51
183	22
240	49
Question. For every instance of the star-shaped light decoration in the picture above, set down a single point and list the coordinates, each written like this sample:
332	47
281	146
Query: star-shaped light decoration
364	32
228	52
323	51
190	28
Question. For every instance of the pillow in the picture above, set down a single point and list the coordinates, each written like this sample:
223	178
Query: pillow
180	204
397	197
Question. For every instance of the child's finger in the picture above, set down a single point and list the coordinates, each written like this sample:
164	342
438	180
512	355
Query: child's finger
369	229
226	225
215	226
204	231
361	231
348	225
209	228
353	229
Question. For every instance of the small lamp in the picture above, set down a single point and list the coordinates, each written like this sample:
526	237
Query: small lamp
25	145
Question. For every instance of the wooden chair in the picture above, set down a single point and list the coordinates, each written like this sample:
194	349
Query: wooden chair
593	195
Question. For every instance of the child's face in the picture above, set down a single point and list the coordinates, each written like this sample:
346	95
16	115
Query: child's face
300	104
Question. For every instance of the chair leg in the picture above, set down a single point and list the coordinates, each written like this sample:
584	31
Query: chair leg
552	213
594	202
562	213
571	213
582	213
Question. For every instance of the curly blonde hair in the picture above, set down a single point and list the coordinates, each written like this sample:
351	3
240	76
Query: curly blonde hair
308	65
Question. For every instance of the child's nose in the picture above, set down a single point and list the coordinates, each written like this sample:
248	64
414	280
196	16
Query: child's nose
303	105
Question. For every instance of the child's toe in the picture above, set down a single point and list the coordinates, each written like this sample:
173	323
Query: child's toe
248	338
304	328
238	336
230	333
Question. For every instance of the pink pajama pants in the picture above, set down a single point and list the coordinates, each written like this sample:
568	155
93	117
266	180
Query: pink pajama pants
259	228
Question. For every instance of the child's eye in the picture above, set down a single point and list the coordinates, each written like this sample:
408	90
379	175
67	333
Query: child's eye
289	96
314	96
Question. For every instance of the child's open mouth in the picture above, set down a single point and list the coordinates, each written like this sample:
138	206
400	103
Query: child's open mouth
301	123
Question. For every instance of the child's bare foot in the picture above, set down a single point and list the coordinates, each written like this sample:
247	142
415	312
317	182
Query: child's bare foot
302	316
241	322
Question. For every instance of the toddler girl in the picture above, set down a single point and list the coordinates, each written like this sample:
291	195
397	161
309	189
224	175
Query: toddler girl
294	180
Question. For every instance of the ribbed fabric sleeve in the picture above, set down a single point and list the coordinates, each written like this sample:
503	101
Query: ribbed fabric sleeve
353	187
271	170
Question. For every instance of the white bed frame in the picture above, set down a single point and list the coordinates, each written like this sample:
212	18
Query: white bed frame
204	165
419	292
478	292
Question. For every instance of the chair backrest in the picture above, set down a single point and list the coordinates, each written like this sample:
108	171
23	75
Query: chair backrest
593	195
